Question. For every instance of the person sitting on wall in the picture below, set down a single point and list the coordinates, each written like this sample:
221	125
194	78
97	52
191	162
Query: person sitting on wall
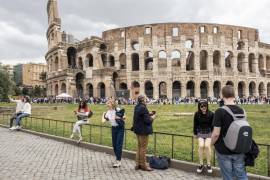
19	109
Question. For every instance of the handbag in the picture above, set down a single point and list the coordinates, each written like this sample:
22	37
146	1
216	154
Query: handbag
159	162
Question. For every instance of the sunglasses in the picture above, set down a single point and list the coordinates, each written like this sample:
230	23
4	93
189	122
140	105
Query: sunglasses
203	106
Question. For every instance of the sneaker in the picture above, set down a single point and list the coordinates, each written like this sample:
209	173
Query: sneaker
200	169
209	168
18	127
72	136
12	128
80	139
117	164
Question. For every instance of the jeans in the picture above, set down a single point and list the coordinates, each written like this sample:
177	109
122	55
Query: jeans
19	118
77	126
117	141
232	166
13	118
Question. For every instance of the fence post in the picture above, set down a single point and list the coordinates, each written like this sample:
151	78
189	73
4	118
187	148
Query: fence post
268	158
42	121
155	143
100	131
192	150
63	129
90	133
172	145
125	135
56	128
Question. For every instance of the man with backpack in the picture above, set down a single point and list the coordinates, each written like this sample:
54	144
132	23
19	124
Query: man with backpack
232	137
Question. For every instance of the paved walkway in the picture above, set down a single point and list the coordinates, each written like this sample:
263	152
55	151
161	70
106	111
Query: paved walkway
26	156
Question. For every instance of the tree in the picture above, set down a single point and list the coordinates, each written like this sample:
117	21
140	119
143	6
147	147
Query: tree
6	85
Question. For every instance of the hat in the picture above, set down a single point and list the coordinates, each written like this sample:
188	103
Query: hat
141	98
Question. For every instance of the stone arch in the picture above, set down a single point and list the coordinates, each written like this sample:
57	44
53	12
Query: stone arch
101	90
240	62
123	61
104	59
190	61
111	61
162	54
240	45
261	64
251	62
162	90
176	58
123	86
89	62
203	60
90	90
216	89
261	89
229	83
79	84
204	86
268	89
71	55
228	59
56	64
135	62
56	90
63	88
135	89
149	89
148	60
190	89
241	89
216	58
268	63
80	63
252	88
176	89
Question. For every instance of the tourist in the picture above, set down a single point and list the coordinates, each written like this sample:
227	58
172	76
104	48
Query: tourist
26	111
232	164
202	129
19	109
142	127
82	114
115	116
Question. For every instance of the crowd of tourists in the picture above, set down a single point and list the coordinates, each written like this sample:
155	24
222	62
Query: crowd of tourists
227	129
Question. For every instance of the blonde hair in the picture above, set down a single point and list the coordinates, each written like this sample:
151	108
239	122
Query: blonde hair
112	102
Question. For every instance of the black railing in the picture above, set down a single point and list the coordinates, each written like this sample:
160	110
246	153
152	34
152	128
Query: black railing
176	146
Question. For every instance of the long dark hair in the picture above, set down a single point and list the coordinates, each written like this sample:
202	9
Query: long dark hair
83	106
203	102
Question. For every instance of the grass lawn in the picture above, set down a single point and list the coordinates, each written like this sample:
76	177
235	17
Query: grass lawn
258	116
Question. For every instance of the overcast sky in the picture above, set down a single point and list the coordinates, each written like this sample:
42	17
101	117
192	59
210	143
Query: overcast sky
23	23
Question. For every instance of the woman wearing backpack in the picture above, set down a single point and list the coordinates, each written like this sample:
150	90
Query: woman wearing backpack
82	115
202	129
116	117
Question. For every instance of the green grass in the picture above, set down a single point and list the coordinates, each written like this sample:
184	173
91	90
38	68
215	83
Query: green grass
258	116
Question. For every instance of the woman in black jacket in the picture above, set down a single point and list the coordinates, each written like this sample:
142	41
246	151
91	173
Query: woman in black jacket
202	129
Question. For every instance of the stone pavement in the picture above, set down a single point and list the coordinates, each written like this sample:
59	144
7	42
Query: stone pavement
26	156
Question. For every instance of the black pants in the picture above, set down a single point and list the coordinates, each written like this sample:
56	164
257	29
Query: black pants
13	117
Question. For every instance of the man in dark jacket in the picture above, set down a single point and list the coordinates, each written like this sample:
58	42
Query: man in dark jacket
142	127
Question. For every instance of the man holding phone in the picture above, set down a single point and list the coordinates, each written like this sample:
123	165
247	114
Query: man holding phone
142	127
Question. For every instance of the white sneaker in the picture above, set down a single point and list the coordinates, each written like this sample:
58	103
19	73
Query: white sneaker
18	127
117	164
80	139
12	128
72	136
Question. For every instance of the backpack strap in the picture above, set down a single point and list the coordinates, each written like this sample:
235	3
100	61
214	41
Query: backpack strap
235	116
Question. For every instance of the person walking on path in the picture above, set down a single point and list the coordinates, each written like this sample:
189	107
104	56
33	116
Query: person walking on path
142	127
232	164
202	130
116	117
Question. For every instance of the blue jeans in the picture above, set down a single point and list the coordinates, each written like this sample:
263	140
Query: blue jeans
19	118
117	141
232	166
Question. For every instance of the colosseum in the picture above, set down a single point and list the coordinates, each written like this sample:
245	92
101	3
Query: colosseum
164	60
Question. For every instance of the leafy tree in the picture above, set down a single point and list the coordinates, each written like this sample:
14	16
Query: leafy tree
6	85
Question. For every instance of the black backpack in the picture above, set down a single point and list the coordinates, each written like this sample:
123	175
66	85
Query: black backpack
159	162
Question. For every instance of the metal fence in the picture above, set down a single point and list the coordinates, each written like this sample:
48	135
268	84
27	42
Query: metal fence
176	146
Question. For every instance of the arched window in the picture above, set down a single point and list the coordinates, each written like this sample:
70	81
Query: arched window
123	61
162	55
190	61
203	60
71	54
148	60
135	62
240	61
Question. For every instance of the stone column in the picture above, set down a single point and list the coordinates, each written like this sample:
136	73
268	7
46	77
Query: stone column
183	61
245	65
183	89
169	89
197	88
156	89
210	65
210	89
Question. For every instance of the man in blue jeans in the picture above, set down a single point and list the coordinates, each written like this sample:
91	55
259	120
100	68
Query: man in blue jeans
232	165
